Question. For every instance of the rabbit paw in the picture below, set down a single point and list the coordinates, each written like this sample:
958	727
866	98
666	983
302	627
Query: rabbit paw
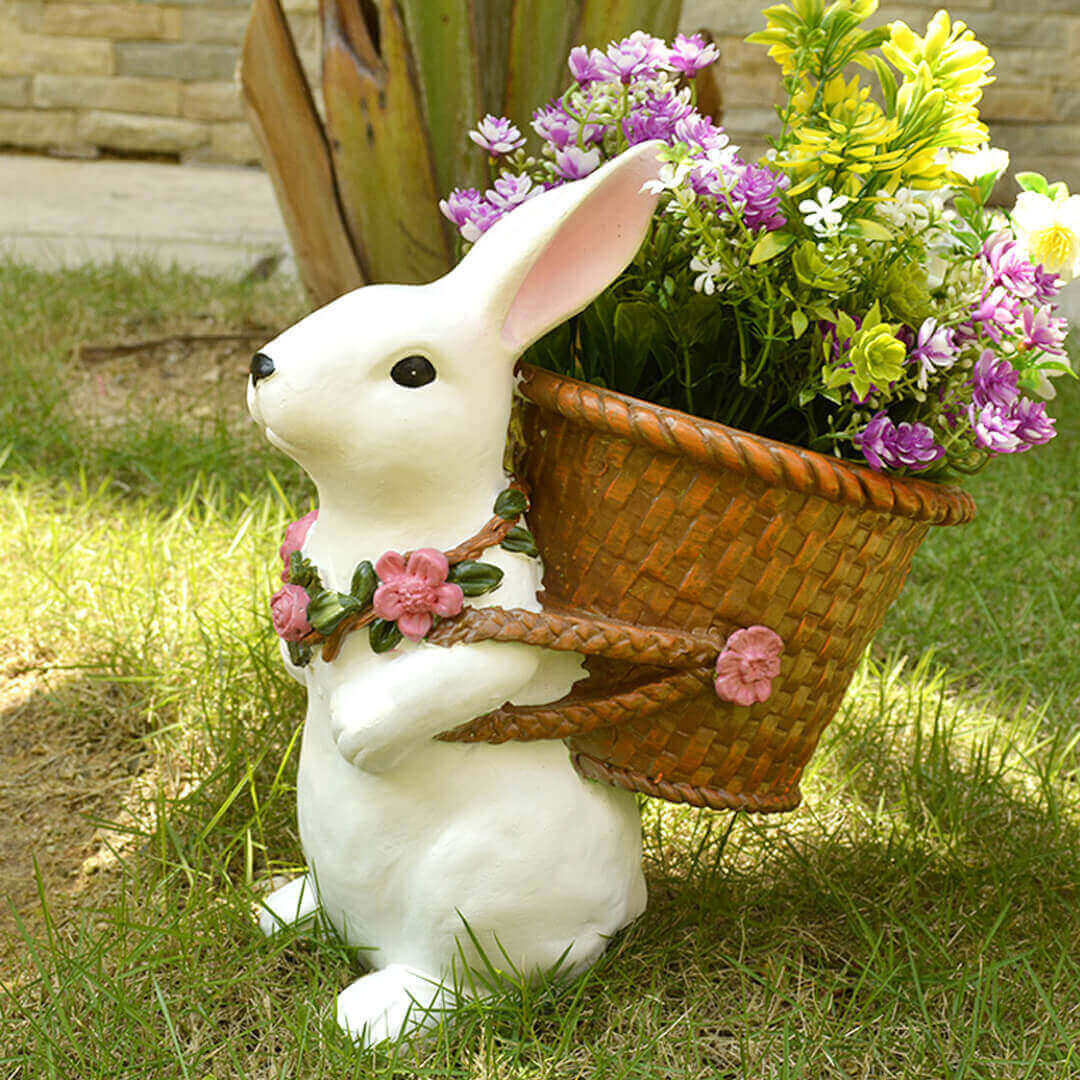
391	1004
360	749
292	904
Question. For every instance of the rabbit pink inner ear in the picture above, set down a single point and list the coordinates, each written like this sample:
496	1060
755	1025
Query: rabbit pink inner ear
591	248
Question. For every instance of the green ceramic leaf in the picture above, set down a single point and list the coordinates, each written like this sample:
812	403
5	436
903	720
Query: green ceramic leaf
300	655
511	503
521	540
328	609
475	578
383	635
364	583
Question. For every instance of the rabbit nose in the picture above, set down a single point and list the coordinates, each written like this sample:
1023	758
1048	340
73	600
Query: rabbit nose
262	367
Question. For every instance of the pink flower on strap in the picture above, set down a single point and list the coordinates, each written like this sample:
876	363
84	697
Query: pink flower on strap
289	610
295	535
411	594
747	666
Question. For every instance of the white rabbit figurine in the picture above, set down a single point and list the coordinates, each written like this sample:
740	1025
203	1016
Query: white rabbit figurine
407	838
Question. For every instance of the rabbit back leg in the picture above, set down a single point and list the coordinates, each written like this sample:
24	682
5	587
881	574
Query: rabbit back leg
291	905
391	1003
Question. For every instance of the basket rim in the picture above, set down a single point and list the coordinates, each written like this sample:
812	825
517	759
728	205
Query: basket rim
776	463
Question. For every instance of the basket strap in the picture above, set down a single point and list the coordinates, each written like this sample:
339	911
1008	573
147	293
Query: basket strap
577	716
590	635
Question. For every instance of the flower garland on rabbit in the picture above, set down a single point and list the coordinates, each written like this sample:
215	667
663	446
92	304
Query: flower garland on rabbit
399	596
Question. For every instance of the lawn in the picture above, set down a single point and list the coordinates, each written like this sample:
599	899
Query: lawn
918	916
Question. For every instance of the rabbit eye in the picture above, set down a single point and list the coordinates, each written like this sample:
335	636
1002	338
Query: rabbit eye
413	371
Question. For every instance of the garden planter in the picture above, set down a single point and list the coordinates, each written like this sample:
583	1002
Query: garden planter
651	517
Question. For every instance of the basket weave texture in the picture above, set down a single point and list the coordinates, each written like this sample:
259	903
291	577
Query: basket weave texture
648	516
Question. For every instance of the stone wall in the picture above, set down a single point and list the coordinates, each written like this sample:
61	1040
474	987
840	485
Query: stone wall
145	79
157	78
1033	108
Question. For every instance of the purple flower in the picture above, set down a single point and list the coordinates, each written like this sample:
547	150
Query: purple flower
1042	331
554	125
511	190
757	194
1047	285
460	205
497	135
994	428
934	350
589	65
995	382
481	218
690	54
889	446
1033	427
996	312
913	445
697	130
1009	266
574	163
639	56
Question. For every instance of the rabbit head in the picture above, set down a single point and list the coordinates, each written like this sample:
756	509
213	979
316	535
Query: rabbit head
401	394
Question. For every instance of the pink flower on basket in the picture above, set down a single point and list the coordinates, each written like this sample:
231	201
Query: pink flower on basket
411	594
295	535
747	666
289	609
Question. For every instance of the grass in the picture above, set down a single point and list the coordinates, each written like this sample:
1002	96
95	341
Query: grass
918	917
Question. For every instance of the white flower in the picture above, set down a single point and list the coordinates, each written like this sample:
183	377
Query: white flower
823	213
1049	231
670	177
972	165
707	273
903	209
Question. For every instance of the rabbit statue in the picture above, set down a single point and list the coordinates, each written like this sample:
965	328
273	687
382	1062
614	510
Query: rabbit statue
418	850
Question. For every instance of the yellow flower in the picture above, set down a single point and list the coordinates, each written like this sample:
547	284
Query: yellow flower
958	63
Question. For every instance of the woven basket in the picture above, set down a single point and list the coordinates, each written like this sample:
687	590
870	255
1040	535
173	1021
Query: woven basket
650	517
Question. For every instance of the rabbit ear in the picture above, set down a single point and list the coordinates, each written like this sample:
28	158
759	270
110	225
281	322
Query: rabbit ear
551	256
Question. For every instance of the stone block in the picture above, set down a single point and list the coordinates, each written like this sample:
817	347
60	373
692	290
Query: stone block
177	60
31	54
721	16
37	130
1067	103
120	22
14	91
1021	65
754	121
1004	102
234	143
141	134
225	25
159	97
212	101
28	14
1037	140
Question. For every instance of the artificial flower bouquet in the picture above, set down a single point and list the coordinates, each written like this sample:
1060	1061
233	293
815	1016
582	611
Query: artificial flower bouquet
853	292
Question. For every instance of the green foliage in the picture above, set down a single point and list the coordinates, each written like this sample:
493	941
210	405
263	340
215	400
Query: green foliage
475	578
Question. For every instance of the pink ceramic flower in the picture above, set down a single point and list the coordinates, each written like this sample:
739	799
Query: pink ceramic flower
289	608
411	594
747	666
295	535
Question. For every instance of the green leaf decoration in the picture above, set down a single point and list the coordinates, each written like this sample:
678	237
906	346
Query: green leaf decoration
328	609
301	572
364	583
475	578
638	328
799	323
299	654
1058	191
384	635
873	230
521	540
769	246
511	503
1033	181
